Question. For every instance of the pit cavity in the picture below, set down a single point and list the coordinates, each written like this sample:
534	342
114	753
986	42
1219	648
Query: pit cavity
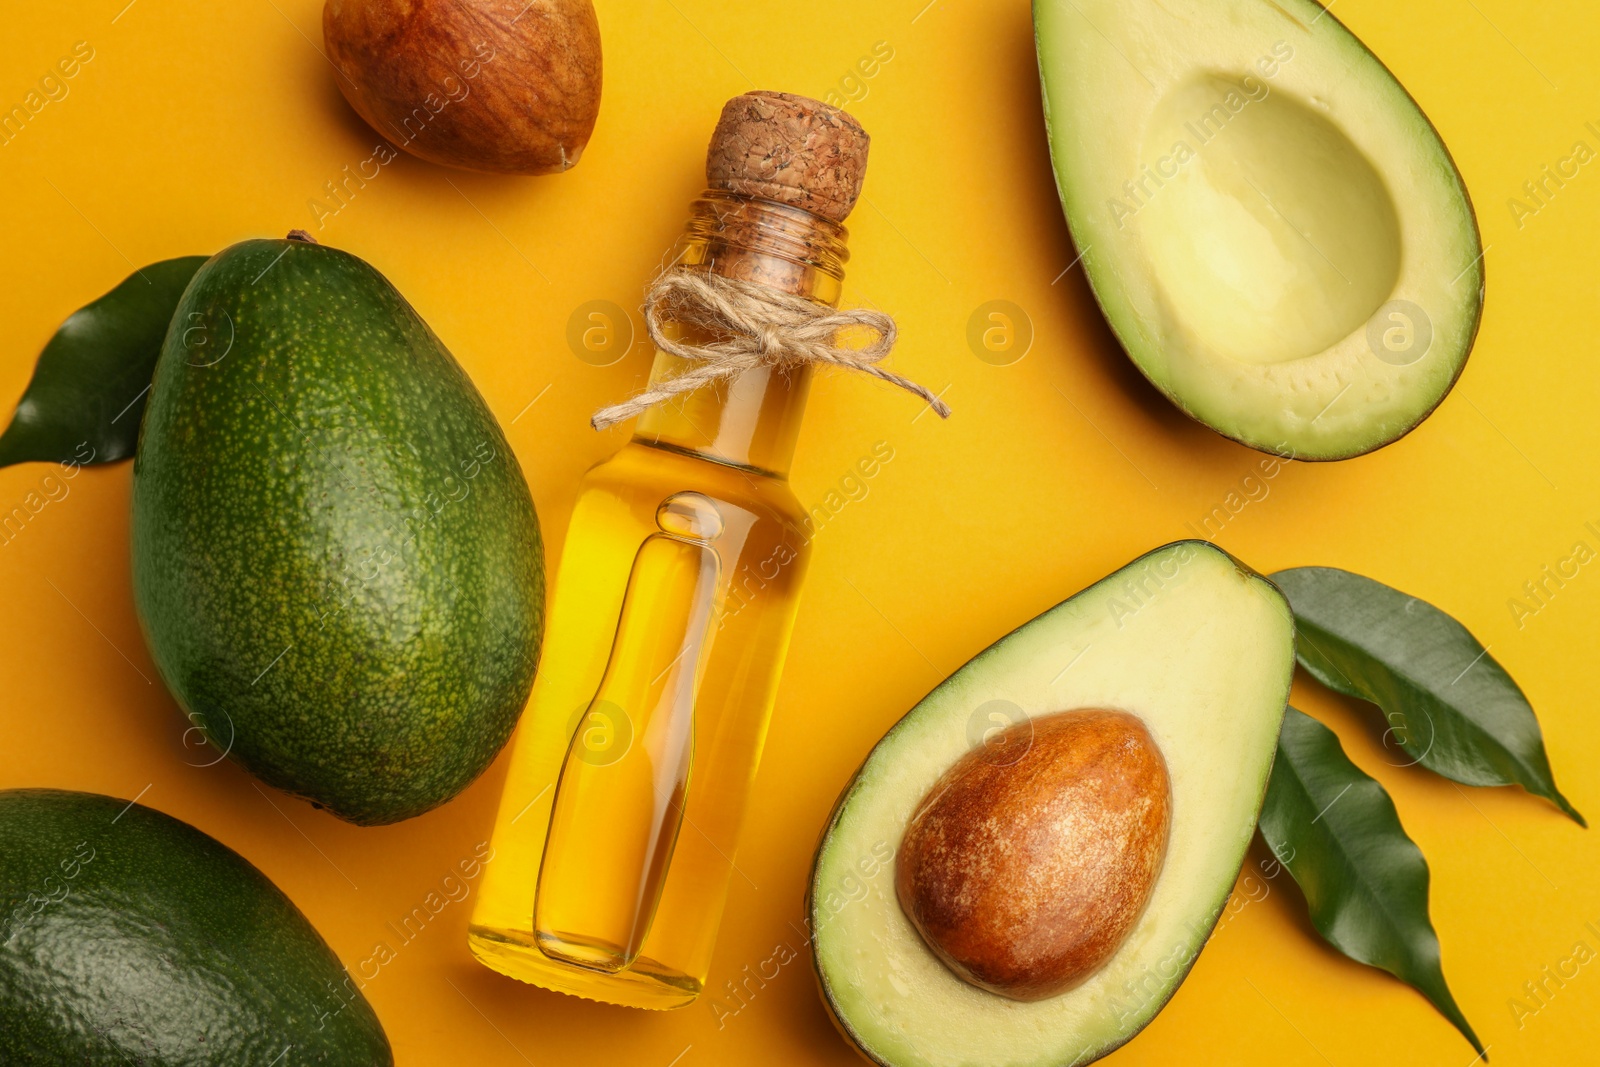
1270	234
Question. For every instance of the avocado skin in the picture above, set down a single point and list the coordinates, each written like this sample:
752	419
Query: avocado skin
128	937
336	559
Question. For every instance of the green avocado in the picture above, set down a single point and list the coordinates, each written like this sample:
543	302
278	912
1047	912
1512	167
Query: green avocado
128	937
1197	647
336	559
1274	230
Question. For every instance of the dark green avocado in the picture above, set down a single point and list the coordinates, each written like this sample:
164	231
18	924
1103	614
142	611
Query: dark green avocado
128	937
336	560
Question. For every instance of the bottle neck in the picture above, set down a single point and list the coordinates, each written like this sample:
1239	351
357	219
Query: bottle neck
751	420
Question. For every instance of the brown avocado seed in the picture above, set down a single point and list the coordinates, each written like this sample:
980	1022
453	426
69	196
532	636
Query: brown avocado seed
1025	875
505	86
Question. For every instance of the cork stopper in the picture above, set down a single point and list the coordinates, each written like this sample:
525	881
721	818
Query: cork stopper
791	149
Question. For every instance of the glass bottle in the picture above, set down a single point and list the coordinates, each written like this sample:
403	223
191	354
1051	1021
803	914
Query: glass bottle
670	616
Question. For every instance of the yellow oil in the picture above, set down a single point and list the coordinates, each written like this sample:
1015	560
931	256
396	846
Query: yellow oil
630	791
618	827
668	623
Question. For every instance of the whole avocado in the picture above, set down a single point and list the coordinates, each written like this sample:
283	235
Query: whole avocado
336	559
128	937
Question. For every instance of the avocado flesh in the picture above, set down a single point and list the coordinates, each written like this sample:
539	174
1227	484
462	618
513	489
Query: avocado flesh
336	559
132	938
1200	649
1261	209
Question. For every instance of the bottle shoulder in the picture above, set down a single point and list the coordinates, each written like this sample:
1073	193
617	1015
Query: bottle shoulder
639	469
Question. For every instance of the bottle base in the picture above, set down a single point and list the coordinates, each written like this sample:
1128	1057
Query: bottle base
646	984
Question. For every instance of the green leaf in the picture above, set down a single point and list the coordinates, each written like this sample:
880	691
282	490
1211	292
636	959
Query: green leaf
88	390
1448	704
1366	882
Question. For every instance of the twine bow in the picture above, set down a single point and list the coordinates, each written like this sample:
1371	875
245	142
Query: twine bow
753	326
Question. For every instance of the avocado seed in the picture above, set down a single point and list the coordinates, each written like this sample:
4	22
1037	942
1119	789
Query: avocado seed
1024	876
505	86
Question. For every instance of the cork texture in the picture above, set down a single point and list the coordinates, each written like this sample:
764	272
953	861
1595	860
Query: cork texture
791	149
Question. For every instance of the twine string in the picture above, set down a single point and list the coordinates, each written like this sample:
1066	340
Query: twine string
752	326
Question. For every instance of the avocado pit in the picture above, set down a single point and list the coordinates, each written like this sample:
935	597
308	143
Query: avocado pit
1025	878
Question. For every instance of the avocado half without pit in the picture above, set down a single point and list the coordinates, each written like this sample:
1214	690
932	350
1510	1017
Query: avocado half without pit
1272	227
1065	815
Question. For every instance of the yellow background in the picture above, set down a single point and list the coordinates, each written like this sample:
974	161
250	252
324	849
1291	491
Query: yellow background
198	124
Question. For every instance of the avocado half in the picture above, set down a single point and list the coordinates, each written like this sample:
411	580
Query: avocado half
1272	227
1190	641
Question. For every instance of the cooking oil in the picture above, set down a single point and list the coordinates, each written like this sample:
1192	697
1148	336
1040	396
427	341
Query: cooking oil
669	620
